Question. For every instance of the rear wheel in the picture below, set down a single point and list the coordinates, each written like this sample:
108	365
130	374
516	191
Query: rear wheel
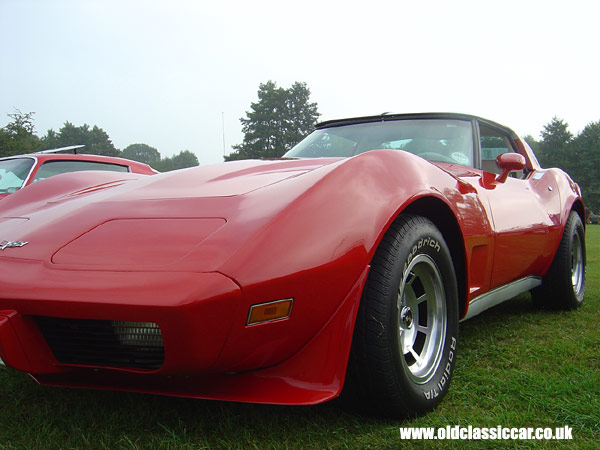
406	332
563	287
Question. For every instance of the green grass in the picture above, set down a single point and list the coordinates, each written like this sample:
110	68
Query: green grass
518	367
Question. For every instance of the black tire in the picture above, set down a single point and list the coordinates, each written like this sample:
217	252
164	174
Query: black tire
563	287
406	333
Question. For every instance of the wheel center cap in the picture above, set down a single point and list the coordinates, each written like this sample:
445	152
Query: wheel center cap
406	316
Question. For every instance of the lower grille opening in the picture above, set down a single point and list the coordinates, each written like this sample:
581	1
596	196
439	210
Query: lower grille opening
110	343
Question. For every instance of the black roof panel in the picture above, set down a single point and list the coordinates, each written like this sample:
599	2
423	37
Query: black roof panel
392	116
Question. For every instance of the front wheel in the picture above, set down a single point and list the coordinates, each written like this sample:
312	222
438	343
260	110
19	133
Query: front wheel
563	287
405	340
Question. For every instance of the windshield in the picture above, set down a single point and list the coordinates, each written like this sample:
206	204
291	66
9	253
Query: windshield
439	140
51	168
13	173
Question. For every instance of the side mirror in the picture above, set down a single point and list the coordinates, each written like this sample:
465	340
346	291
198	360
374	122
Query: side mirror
509	162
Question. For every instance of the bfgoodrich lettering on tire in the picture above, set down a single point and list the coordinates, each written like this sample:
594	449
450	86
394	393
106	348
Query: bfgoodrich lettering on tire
563	287
406	331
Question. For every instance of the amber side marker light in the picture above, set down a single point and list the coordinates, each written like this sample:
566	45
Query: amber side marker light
270	311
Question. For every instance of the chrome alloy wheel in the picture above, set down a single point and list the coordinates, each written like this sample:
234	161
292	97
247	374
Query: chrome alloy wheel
577	265
422	318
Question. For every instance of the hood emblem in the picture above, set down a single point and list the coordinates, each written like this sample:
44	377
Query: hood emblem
7	244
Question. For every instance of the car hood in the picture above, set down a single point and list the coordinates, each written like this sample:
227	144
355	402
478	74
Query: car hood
52	213
228	179
218	180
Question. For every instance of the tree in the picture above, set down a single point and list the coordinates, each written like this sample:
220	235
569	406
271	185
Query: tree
95	139
142	153
554	147
578	156
533	143
22	123
586	164
18	136
182	160
279	120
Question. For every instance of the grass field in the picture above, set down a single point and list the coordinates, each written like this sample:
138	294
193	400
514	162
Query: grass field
518	367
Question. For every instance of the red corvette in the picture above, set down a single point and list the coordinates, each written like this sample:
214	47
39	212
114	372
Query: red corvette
20	171
348	263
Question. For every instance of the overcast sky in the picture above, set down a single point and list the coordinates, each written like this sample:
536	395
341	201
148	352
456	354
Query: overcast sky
166	73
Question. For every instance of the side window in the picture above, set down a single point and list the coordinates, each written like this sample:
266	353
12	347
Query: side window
494	143
51	168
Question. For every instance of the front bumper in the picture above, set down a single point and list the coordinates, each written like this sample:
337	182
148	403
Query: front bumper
203	329
194	327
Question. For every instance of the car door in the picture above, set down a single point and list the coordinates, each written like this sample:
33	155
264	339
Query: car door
525	210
